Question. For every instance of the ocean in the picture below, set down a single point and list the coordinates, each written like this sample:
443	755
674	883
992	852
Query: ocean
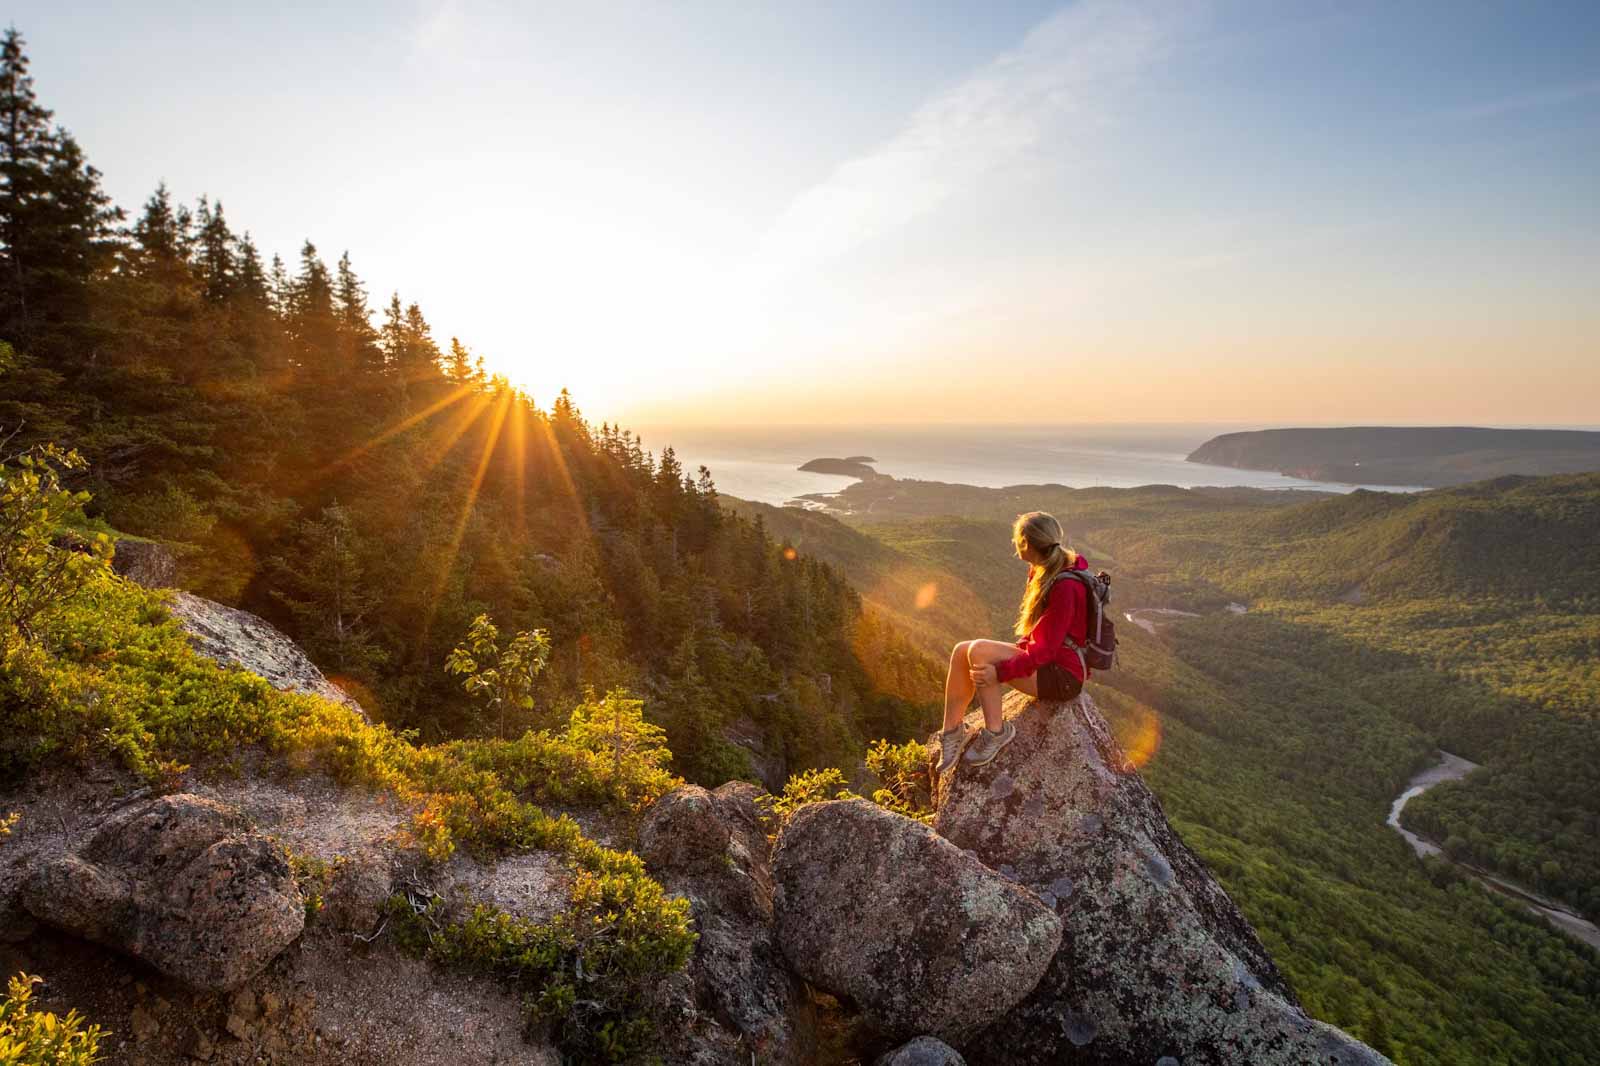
760	462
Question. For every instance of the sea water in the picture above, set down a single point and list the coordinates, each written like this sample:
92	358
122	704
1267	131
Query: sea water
761	462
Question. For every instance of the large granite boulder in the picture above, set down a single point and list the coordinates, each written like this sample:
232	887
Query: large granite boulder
145	562
1156	963
711	847
238	638
180	882
922	937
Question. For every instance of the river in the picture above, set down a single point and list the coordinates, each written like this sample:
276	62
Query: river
1449	768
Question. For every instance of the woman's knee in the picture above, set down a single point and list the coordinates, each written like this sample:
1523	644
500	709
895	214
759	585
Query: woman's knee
958	654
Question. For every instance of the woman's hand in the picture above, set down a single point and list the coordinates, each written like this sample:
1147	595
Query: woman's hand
984	675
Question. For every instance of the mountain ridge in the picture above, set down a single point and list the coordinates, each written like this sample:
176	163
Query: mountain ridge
1404	455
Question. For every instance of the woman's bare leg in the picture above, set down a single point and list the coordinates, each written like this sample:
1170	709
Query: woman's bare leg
958	687
985	653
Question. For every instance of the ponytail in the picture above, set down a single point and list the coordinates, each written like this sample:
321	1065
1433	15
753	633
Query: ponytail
1042	533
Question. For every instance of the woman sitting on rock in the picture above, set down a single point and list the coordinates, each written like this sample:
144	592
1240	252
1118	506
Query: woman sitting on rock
1041	664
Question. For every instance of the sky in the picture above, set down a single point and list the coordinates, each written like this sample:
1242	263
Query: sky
1249	211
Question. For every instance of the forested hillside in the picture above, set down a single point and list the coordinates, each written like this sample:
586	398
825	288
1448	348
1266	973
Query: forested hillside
1379	627
372	489
1405	455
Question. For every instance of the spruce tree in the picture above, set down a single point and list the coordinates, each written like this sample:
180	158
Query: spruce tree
327	594
215	259
55	220
358	341
158	254
310	320
251	279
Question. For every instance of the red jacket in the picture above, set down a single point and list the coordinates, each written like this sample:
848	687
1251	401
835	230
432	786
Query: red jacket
1066	611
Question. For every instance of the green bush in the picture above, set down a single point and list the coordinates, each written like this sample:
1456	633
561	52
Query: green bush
113	675
31	1037
37	575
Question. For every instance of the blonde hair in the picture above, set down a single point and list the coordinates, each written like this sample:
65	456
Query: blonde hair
1043	534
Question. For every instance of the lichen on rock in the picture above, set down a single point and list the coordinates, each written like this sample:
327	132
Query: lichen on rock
1155	961
924	939
180	882
711	847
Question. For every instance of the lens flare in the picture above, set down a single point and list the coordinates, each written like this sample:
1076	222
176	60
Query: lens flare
926	595
790	554
1141	737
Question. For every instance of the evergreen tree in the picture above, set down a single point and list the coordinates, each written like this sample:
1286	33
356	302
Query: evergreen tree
252	283
310	319
458	367
355	319
327	593
280	287
216	262
421	353
55	220
158	256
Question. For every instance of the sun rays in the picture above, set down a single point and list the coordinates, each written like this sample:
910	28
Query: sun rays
513	445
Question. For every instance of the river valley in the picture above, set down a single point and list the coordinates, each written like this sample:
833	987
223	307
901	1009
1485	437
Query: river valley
1449	768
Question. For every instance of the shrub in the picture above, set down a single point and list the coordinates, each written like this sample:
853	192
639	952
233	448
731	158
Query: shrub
38	576
903	771
117	677
812	786
31	1037
501	677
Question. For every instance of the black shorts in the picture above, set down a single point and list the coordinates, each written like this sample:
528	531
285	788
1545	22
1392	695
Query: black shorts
1056	683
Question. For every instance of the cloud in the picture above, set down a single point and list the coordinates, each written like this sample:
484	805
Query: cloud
1060	82
1547	96
440	27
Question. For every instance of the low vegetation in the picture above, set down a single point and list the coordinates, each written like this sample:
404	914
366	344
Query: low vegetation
30	1037
106	673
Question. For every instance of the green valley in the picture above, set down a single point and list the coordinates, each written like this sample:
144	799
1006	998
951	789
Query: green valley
1378	627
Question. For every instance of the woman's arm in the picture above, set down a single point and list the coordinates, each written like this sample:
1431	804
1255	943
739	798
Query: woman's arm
1049	632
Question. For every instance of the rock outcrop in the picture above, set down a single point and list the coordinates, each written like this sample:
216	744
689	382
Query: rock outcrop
922	937
1156	963
180	882
923	1051
711	847
145	562
238	638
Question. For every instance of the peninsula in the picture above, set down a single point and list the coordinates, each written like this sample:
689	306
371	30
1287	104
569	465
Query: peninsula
1431	456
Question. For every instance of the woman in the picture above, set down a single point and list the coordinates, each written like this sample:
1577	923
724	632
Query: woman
1042	663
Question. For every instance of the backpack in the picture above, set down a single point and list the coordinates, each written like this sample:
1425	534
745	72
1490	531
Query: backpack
1099	651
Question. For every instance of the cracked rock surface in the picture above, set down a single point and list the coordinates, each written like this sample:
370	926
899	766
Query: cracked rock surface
1156	963
180	882
923	938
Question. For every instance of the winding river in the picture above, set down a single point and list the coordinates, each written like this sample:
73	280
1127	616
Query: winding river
1449	768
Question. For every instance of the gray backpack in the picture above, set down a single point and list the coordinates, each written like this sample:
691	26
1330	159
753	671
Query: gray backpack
1099	650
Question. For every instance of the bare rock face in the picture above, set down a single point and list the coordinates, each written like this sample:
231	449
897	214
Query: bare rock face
1156	964
923	1051
238	638
711	848
684	832
146	563
922	937
181	883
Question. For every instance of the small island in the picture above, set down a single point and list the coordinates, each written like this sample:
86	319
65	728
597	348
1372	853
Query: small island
854	466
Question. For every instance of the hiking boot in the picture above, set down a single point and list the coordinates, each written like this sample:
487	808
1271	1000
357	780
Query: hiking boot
950	742
988	745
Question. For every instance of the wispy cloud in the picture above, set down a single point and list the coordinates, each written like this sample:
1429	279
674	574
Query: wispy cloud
439	27
1060	82
1546	96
